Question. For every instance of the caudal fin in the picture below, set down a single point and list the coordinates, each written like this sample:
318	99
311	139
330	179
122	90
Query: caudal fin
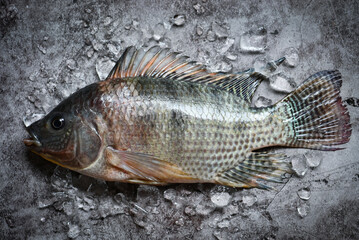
318	117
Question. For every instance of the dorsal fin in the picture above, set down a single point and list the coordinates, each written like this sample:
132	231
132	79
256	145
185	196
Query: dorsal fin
159	62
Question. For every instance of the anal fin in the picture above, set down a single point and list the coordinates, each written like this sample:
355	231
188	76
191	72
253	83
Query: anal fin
146	169
254	169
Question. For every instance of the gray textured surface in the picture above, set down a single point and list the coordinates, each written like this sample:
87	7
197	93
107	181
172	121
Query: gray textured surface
51	48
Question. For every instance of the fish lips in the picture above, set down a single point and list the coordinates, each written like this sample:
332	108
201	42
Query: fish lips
32	142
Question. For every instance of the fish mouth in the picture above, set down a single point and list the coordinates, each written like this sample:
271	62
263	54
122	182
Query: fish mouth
33	141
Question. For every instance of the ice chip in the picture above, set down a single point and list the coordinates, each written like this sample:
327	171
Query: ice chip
107	21
227	45
189	210
71	64
231	57
299	165
74	231
303	209
148	195
221	199
42	49
313	159
281	83
291	57
221	66
198	8
249	200
170	194
103	67
199	30
219	30
304	193
211	36
262	102
179	20
254	41
223	224
61	178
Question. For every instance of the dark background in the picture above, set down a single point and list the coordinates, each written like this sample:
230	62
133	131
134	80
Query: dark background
49	49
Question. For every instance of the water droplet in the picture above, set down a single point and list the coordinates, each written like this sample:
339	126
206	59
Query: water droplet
291	57
221	199
281	83
254	41
303	209
249	200
262	102
43	219
74	231
199	30
103	67
299	165
42	49
179	20
211	36
221	31
304	193
198	8
28	120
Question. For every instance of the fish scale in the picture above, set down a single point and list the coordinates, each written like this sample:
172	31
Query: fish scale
177	124
159	119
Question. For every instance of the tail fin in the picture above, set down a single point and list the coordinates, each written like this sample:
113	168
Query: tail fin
319	119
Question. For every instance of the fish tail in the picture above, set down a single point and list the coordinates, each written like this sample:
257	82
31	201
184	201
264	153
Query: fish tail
316	115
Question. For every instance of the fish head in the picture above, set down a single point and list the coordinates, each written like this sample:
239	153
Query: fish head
65	138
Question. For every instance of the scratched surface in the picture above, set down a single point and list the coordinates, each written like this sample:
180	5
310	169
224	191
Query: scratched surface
49	49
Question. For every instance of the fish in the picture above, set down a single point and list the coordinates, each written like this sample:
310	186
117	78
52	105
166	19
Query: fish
160	118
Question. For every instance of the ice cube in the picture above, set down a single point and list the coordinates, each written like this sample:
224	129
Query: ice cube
262	102
249	200
291	57
304	193
254	41
299	165
219	30
281	83
221	199
179	20
103	67
303	209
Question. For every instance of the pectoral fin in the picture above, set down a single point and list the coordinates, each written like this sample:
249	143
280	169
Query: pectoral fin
144	168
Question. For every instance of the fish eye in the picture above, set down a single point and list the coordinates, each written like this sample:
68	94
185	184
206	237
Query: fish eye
57	122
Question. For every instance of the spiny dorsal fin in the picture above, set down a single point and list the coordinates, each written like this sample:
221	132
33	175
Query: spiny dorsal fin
159	62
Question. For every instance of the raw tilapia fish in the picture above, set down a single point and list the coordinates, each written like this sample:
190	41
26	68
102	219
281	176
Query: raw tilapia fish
159	119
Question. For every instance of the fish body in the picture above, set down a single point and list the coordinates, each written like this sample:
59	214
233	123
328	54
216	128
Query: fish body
160	119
